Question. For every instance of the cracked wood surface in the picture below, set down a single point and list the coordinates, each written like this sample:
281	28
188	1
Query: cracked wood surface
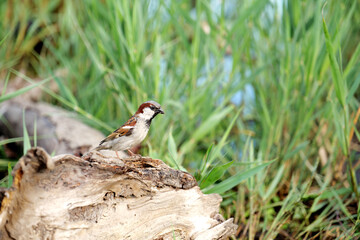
100	196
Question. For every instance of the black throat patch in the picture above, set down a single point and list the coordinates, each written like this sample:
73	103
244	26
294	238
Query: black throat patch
148	122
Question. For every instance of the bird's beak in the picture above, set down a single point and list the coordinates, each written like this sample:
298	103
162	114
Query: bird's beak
160	111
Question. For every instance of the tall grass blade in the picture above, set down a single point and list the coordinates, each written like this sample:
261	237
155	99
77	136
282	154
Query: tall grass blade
26	141
215	174
340	85
21	91
234	180
210	123
10	177
6	83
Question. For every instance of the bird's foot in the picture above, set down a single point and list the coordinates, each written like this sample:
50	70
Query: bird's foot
131	154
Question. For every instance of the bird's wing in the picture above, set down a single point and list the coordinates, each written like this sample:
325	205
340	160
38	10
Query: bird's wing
124	130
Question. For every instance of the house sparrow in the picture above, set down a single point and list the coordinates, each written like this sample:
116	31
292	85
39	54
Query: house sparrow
133	131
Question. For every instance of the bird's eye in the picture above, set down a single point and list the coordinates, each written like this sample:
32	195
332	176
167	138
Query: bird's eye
152	108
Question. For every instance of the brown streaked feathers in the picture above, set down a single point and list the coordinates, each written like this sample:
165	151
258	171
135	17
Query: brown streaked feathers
134	131
121	131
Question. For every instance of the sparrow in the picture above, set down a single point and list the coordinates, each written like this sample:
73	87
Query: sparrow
134	131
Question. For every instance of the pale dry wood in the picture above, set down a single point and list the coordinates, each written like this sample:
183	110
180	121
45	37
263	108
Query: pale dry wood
58	130
102	197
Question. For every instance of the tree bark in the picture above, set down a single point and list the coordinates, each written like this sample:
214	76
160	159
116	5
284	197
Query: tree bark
100	196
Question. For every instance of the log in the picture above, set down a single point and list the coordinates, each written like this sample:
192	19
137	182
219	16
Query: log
58	131
100	196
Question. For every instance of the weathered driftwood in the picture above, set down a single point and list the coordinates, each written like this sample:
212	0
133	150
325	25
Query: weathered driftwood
101	196
57	131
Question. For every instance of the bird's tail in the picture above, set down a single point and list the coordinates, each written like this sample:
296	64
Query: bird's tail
97	148
94	149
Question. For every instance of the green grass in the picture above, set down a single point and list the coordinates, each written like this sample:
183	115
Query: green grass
275	157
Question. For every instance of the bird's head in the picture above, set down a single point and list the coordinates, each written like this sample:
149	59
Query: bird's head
148	110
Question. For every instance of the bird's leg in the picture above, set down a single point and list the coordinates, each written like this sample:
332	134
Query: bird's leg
130	153
117	154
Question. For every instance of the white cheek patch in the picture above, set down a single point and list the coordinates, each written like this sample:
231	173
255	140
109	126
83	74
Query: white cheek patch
147	113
